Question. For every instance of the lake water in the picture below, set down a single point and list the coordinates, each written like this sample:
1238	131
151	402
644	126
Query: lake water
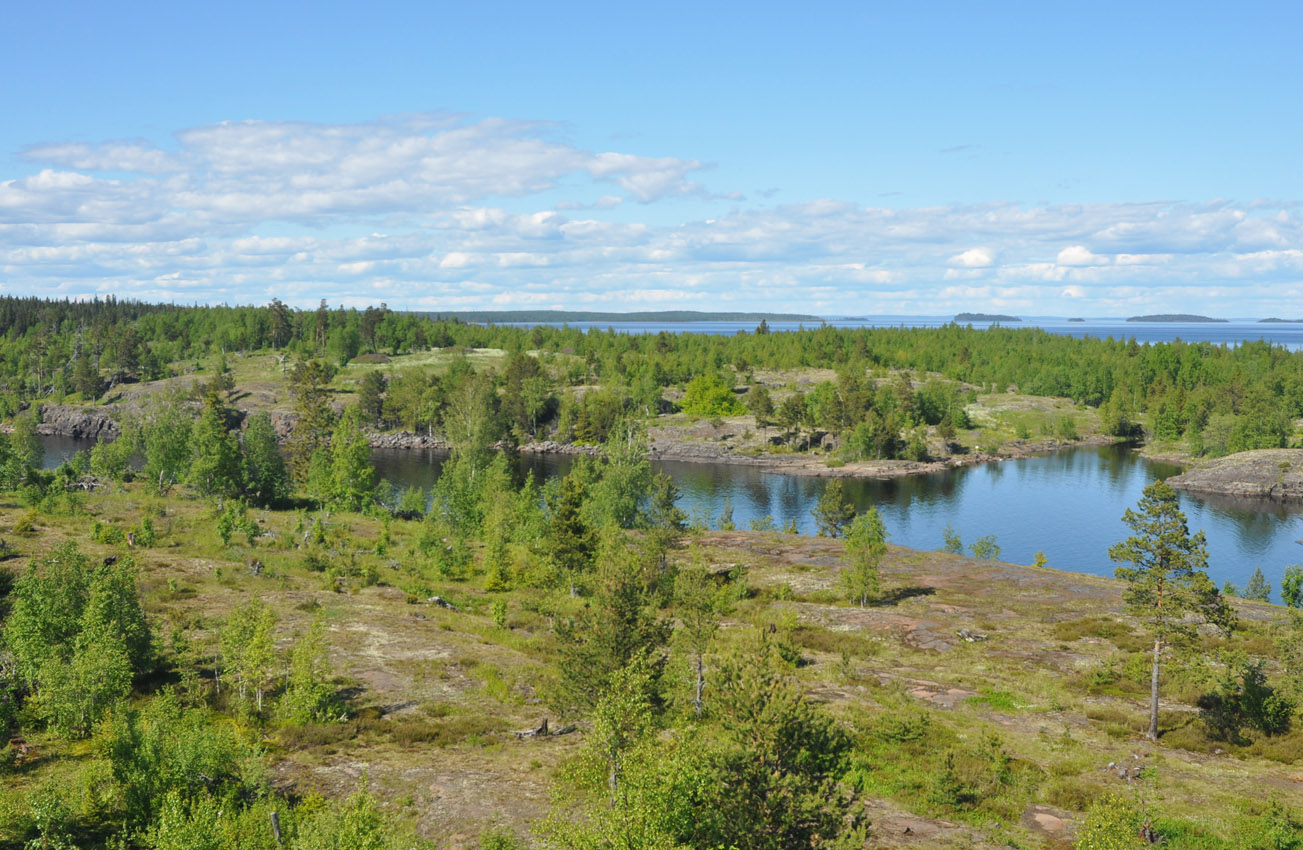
1229	333
1067	504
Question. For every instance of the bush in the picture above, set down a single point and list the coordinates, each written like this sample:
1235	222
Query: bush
1114	823
707	396
985	548
1243	698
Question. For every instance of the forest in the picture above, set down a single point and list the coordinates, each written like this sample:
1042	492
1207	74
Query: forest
221	629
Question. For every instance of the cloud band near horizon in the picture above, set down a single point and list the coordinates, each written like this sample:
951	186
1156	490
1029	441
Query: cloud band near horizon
440	211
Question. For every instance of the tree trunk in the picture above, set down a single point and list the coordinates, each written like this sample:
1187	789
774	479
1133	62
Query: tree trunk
1153	693
701	684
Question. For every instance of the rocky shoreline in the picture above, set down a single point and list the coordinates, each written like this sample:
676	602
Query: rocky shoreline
1263	474
666	443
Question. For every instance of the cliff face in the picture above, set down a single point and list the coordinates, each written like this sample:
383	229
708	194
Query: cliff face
92	423
1265	473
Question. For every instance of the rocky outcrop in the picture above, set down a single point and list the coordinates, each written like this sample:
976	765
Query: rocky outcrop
404	440
1265	473
83	423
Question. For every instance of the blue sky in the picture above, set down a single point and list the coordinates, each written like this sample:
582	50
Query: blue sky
1045	159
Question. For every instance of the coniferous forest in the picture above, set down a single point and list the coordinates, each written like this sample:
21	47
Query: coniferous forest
222	629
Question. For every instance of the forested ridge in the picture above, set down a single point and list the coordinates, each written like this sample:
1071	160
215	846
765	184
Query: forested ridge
1212	398
216	635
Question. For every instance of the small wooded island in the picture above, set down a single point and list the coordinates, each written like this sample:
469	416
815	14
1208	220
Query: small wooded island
1174	317
964	318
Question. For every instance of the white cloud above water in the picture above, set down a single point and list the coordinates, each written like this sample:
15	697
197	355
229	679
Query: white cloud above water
441	210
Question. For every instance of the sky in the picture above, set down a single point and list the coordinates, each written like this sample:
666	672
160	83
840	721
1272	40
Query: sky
1042	159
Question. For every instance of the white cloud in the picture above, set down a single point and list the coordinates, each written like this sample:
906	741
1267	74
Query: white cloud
1080	255
441	210
973	258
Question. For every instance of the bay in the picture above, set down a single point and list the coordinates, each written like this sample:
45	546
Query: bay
1067	504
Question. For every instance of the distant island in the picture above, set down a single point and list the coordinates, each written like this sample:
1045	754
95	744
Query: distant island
1174	317
1277	321
567	316
985	317
1076	320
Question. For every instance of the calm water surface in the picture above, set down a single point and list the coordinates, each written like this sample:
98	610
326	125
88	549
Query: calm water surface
1232	333
1066	504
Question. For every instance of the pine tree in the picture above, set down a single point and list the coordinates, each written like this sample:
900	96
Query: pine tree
568	538
699	604
1168	586
620	623
833	512
1258	587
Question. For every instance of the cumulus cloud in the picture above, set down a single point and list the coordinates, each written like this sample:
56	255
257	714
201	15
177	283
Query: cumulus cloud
440	211
973	258
1080	255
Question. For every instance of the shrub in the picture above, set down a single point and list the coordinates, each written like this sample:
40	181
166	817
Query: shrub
709	396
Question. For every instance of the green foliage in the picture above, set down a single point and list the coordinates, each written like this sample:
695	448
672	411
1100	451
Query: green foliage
25	441
112	458
761	404
412	503
264	466
619	624
1112	823
370	396
779	759
985	548
834	512
169	751
146	536
78	635
1258	587
1291	586
568	539
1244	698
165	438
866	544
50	820
1289	652
353	478
700	604
232	519
1168	590
622	717
951	541
249	650
216	468
358	824
622	482
315	419
309	696
708	395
